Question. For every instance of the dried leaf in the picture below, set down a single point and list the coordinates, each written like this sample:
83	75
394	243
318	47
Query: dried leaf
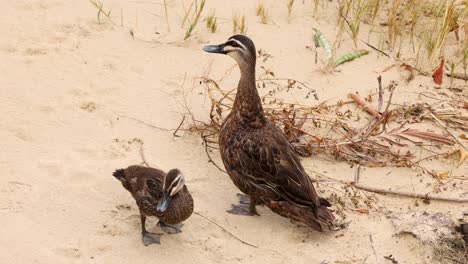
386	68
463	155
463	136
439	73
443	175
407	67
361	210
428	136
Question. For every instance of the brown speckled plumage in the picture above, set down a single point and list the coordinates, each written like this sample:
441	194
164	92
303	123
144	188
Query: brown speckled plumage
463	229
258	157
146	185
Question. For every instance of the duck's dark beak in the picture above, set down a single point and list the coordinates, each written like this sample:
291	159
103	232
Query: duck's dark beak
215	48
163	203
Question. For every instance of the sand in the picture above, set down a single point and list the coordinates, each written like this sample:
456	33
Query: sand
71	91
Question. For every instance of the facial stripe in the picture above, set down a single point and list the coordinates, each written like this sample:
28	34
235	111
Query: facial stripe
174	182
231	48
180	184
235	43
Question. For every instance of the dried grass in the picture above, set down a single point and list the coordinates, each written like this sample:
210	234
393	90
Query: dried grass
388	138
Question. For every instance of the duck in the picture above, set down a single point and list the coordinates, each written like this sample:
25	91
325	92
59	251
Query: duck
257	156
159	194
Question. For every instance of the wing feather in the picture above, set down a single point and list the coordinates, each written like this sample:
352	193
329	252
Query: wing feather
265	157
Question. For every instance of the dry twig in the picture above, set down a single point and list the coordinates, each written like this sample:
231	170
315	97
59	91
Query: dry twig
224	229
209	156
142	155
178	127
426	196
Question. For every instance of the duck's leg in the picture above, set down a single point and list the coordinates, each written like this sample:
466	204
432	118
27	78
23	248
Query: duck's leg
148	238
170	229
246	206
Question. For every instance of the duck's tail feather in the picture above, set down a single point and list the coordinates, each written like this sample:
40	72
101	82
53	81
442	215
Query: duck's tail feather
119	174
318	218
324	202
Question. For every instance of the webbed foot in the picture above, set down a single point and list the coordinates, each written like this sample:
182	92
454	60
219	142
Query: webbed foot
246	206
243	199
170	229
151	238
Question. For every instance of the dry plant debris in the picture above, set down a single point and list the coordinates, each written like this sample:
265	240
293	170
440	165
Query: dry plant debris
435	229
388	138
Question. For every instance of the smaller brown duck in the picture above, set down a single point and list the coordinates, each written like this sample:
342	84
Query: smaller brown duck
158	194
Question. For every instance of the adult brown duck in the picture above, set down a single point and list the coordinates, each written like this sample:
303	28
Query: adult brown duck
258	157
157	194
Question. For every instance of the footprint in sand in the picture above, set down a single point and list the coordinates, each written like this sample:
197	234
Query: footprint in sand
21	134
8	47
104	248
89	152
74	29
121	147
38	5
121	220
112	230
78	93
54	168
69	252
124	207
88	106
14	189
35	51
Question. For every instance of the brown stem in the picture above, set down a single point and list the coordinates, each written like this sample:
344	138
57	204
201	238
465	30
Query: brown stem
427	196
222	228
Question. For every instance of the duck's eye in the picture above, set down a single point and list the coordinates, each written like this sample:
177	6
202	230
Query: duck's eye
233	44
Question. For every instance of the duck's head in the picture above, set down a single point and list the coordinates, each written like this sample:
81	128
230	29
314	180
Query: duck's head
173	182
239	47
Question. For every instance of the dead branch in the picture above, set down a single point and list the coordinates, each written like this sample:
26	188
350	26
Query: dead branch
381	93
142	122
142	155
209	156
426	196
391	258
428	136
227	232
177	129
288	79
370	144
448	131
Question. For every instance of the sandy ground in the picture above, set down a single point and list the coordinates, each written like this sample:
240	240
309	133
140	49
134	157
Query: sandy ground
70	91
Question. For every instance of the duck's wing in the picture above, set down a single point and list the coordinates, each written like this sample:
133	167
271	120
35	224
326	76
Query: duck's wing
266	158
148	194
154	187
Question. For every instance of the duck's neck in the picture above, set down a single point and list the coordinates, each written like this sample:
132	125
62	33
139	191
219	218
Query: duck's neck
248	104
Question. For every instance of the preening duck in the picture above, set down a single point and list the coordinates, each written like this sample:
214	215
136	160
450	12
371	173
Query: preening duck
157	194
258	157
